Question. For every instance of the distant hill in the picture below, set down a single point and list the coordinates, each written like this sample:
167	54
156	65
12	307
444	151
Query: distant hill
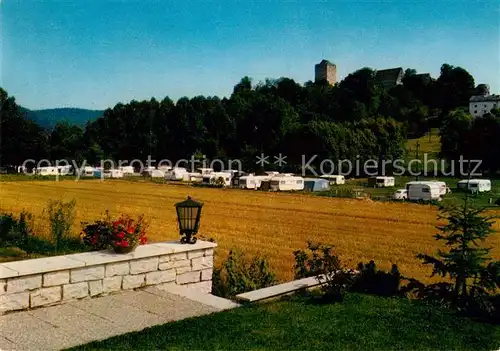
50	117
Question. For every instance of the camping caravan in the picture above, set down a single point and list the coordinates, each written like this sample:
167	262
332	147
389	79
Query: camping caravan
88	171
252	181
156	173
113	173
316	184
222	178
177	173
286	182
425	191
53	170
334	179
126	170
205	171
443	188
381	182
475	185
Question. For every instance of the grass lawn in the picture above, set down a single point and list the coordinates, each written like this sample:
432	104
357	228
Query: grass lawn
362	322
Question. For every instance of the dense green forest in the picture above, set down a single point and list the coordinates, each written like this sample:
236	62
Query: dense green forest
355	117
49	118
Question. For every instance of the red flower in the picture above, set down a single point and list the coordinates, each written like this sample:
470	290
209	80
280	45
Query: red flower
118	243
121	235
130	230
144	240
124	243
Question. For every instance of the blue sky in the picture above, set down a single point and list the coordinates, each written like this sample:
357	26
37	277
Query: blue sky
94	54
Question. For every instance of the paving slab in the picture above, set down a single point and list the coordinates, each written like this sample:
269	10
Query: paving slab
216	302
82	321
6	344
83	327
168	307
120	313
30	333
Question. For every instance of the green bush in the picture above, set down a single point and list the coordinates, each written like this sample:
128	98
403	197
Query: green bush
377	282
240	274
14	231
322	263
61	217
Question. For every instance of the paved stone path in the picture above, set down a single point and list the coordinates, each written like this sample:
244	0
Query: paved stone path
83	321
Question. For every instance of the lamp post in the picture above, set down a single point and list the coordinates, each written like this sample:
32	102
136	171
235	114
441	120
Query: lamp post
188	216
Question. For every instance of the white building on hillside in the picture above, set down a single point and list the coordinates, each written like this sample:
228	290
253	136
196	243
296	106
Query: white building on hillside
482	104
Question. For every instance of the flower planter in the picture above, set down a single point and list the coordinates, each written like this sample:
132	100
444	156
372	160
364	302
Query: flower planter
124	250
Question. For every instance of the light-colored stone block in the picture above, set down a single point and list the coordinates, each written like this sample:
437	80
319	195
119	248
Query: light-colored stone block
202	263
206	274
3	286
178	256
75	291
42	265
133	281
194	254
181	270
7	272
163	259
159	277
119	268
144	265
45	296
87	273
189	277
95	287
111	284
174	264
24	283
209	252
56	278
202	287
13	302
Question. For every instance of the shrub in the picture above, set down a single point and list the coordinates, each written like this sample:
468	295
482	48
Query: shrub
323	264
14	231
240	274
373	281
61	217
97	235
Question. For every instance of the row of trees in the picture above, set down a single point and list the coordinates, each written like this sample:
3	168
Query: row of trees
355	117
472	138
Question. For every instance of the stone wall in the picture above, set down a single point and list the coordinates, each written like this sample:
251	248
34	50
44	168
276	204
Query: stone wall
59	279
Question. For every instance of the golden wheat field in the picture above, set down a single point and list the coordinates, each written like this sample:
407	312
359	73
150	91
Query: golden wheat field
273	224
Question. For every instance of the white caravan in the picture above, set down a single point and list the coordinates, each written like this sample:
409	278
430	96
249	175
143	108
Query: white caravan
381	181
113	173
252	181
156	173
176	173
443	188
53	170
286	182
126	169
88	171
475	185
216	176
334	179
423	191
205	171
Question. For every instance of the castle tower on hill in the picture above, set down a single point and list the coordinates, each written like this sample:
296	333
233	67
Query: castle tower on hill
325	71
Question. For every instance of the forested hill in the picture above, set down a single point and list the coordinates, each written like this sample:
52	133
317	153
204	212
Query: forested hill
50	117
